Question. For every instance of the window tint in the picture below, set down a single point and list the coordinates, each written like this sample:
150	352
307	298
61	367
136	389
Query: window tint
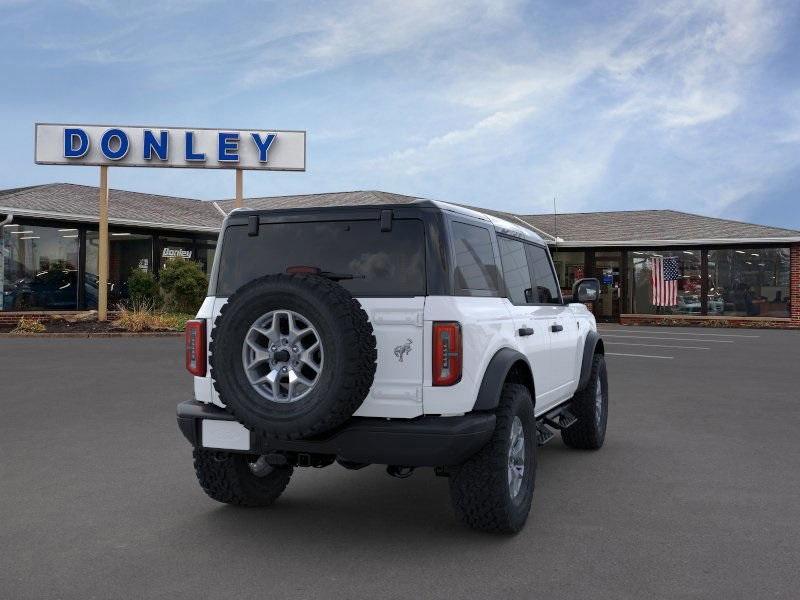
749	282
38	268
546	287
515	270
475	265
667	282
129	251
388	263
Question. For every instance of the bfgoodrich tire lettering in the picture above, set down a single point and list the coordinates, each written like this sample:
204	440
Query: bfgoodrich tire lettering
481	488
345	334
227	477
590	406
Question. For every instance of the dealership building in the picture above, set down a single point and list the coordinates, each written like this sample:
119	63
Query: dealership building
721	271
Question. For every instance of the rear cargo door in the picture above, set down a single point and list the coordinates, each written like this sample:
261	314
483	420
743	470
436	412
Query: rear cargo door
382	264
398	326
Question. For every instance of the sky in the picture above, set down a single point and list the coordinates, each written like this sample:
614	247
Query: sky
504	104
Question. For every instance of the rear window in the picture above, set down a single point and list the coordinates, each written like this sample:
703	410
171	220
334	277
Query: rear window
386	263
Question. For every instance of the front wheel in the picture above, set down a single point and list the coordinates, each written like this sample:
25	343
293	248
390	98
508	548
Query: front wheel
590	406
240	479
493	489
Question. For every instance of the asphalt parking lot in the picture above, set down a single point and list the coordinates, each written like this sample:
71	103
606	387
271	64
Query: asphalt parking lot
695	494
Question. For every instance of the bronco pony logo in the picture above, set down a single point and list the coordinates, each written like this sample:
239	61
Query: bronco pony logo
403	349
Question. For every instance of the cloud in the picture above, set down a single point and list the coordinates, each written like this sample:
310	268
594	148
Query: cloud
502	103
467	146
327	39
577	103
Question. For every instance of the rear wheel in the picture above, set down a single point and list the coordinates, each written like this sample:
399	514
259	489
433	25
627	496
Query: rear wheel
493	489
240	479
590	406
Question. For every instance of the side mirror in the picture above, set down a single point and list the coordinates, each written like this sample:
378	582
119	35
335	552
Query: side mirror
586	290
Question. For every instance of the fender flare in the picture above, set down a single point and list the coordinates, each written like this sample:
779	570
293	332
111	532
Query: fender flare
495	376
593	345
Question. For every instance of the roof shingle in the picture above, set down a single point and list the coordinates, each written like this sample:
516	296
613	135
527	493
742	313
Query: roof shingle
649	225
79	202
70	201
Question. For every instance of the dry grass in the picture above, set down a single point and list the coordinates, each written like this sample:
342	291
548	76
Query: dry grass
143	317
26	325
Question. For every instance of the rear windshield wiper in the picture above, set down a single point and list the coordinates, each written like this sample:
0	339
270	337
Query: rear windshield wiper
340	276
326	274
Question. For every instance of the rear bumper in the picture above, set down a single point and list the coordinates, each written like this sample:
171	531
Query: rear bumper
422	442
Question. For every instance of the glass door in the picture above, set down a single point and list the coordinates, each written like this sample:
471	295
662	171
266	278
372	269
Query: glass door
607	267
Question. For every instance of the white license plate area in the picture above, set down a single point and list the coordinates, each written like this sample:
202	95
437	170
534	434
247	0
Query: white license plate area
226	435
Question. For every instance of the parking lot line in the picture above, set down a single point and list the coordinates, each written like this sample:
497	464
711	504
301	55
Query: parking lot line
652	337
638	355
658	345
736	335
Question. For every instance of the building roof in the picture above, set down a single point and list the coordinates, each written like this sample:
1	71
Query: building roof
70	202
67	201
667	227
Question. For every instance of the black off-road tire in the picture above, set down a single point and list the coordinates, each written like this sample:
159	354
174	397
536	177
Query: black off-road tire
349	361
479	488
226	477
589	432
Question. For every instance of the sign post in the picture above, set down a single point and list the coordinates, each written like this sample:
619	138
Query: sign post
175	147
102	255
239	188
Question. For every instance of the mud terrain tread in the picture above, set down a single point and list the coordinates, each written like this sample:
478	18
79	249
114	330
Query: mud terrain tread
585	433
358	375
479	487
225	477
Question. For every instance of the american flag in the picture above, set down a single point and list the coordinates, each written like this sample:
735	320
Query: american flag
664	277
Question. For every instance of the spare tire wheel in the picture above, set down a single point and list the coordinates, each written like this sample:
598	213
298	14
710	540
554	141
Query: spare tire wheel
292	355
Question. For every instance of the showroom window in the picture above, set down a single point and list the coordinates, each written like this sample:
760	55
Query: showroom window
39	268
747	282
205	254
128	251
570	267
666	282
176	247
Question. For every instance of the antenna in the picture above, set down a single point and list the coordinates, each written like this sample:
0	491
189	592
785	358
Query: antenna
555	222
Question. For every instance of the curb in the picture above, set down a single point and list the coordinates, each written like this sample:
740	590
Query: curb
99	334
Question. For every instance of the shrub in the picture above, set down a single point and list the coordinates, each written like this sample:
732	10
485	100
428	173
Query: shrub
143	288
143	317
28	325
183	285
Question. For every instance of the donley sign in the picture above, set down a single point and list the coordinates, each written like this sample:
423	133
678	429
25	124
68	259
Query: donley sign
178	147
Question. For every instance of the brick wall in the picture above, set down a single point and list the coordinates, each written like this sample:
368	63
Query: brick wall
12	318
794	283
698	321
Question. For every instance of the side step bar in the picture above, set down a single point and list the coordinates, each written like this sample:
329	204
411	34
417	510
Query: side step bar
559	418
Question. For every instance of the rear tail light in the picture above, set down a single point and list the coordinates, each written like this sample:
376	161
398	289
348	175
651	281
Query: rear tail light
447	354
196	347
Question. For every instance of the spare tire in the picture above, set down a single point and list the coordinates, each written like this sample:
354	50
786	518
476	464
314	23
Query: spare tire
292	355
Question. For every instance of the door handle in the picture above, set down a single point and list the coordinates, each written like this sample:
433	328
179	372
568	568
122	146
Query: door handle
523	331
555	328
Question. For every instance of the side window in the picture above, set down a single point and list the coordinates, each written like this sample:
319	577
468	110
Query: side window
515	271
475	264
546	289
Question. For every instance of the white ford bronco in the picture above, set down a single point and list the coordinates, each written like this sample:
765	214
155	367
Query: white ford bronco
410	334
